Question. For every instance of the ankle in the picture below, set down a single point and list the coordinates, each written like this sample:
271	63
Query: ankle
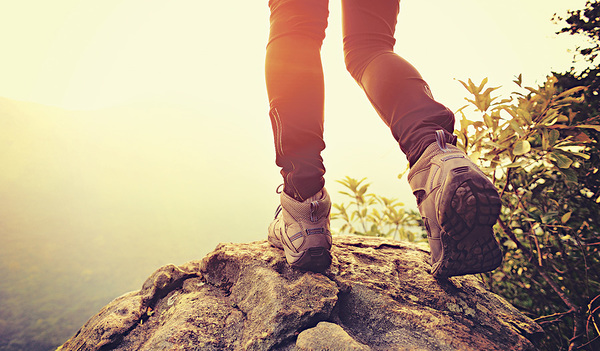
315	197
302	197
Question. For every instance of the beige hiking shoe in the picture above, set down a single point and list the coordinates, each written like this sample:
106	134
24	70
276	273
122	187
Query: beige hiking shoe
459	205
301	230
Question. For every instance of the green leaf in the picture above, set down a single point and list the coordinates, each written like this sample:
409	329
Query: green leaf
404	172
475	156
510	244
478	125
519	80
466	86
535	91
517	128
518	164
570	152
525	115
362	190
569	174
488	121
545	141
590	126
473	87
571	91
503	101
483	83
571	100
522	147
553	137
561	160
565	218
550	119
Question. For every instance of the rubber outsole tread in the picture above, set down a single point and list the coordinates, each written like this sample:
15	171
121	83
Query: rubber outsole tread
469	245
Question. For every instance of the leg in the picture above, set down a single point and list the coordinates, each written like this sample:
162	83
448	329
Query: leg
294	77
295	87
395	88
459	205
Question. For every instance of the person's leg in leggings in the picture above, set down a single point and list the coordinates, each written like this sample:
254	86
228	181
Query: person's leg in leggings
458	203
295	87
395	88
296	96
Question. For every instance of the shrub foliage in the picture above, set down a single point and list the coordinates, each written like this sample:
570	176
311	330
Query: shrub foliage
374	215
543	157
537	150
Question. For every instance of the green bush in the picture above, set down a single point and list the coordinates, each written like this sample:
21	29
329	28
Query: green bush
374	215
536	151
543	157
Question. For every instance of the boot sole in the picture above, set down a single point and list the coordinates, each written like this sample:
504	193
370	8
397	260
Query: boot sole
316	259
467	218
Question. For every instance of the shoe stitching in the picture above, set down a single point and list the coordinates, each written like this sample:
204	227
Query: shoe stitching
314	231
450	157
432	178
297	236
289	245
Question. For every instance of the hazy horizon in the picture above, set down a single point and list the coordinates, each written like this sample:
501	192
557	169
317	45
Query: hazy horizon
95	201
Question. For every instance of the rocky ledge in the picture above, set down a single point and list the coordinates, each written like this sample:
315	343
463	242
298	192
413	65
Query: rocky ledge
377	295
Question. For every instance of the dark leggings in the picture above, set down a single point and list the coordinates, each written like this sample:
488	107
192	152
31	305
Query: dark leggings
294	77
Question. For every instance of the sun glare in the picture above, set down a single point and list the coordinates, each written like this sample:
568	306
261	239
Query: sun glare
210	57
81	54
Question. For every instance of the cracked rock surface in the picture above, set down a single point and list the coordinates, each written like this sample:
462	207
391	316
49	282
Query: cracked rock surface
377	295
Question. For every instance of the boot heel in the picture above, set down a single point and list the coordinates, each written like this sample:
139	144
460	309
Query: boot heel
315	259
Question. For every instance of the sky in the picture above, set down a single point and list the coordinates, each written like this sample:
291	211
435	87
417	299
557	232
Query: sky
82	54
209	56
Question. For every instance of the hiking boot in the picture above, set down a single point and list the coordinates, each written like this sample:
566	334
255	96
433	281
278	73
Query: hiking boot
301	230
459	205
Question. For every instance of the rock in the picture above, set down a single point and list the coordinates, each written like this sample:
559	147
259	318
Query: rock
377	295
328	336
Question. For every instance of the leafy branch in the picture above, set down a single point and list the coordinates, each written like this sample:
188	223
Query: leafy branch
373	215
